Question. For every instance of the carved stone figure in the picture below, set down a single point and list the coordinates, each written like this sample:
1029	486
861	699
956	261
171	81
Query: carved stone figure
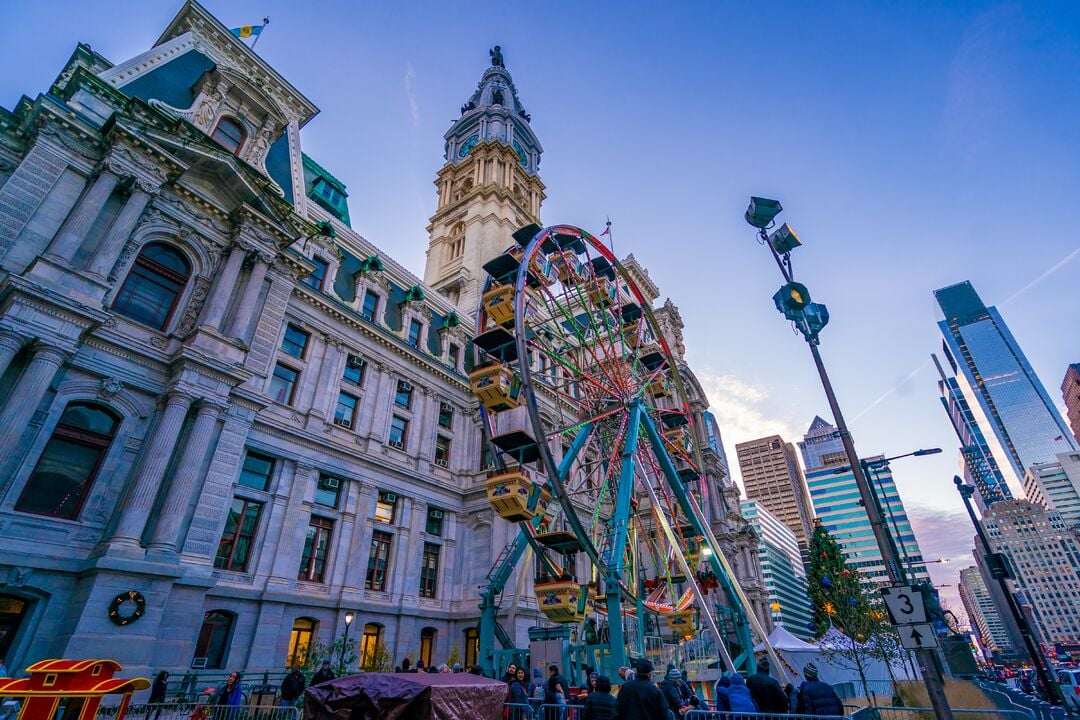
496	57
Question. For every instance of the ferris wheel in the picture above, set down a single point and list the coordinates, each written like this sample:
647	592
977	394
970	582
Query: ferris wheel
595	450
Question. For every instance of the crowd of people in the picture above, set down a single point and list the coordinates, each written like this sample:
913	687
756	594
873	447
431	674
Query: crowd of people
532	697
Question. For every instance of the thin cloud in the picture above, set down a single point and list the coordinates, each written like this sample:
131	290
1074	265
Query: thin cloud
899	385
414	106
1053	269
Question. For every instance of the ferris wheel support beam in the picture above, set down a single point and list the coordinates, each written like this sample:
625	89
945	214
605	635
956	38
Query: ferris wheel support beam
613	568
716	559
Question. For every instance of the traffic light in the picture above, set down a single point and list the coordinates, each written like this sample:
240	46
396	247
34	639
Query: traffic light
791	299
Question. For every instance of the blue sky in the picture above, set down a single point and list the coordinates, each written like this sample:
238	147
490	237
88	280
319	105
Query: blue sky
913	145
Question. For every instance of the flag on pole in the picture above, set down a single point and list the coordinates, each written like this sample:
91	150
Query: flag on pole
607	231
246	31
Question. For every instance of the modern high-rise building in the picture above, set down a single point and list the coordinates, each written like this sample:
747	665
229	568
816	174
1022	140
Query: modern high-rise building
1070	391
782	569
981	470
772	476
1008	401
983	613
1045	559
837	506
1056	486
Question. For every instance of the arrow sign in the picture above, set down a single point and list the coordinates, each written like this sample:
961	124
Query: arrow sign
917	637
905	604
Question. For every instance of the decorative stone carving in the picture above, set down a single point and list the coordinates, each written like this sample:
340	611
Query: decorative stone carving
158	342
194	308
18	576
130	248
110	388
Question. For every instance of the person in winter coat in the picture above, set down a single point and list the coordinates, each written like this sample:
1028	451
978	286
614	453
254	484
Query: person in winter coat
723	700
519	695
816	697
292	687
324	674
229	698
739	696
792	693
688	695
639	699
600	705
157	690
536	686
672	692
766	690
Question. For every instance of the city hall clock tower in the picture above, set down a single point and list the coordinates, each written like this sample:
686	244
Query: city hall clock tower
487	189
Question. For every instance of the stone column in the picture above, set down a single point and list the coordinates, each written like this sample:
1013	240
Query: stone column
10	345
78	223
113	242
218	302
290	544
24	399
167	534
151	471
246	308
324	398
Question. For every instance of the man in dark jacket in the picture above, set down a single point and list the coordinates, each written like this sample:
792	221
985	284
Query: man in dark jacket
324	674
816	697
766	690
292	687
600	705
639	699
672	692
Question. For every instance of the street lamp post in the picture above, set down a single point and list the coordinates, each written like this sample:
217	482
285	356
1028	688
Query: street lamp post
793	301
1000	571
349	615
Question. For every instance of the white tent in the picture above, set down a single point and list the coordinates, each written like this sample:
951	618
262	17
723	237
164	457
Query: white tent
833	656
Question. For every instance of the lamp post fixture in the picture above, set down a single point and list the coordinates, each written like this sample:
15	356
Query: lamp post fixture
999	568
349	615
794	303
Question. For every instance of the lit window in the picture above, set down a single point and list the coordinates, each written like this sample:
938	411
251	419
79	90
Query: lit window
256	470
378	560
229	134
316	548
414	333
472	646
65	473
327	491
303	631
345	412
403	394
386	507
150	292
283	383
399	431
354	370
429	570
434	521
369	643
295	341
427	642
442	451
446	415
317	276
370	306
235	547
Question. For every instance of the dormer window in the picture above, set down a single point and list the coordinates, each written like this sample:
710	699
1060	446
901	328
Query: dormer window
229	134
329	193
318	275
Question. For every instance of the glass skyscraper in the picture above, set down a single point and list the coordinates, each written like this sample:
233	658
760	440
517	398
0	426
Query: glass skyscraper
1020	425
781	569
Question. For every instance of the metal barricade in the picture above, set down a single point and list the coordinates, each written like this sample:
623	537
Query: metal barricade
199	711
728	715
518	711
925	713
559	712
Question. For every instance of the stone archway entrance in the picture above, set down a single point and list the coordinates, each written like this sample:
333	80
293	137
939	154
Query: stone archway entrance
13	611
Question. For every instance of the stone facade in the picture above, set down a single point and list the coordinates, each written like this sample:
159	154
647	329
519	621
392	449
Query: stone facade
266	404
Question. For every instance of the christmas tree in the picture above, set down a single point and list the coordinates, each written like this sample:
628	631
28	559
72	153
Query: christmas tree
835	593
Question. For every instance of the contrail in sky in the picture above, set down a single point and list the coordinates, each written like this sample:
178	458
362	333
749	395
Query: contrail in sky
896	386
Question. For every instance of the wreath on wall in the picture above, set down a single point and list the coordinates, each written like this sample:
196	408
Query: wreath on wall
138	607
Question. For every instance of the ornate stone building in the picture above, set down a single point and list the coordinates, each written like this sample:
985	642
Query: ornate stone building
225	417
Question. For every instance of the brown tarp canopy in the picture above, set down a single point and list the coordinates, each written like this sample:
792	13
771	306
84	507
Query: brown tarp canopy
406	696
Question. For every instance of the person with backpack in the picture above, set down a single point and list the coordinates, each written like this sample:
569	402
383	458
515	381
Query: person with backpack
816	697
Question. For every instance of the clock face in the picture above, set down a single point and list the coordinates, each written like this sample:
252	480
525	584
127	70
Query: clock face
468	145
522	157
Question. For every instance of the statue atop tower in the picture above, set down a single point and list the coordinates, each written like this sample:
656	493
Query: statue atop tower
488	187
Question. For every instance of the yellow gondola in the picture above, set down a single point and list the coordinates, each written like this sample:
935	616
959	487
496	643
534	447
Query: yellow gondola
496	386
565	601
515	497
681	622
499	304
678	436
602	292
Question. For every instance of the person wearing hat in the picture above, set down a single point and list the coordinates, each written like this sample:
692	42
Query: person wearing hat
639	699
816	697
672	692
767	692
324	674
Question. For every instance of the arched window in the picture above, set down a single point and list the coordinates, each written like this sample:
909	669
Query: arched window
65	473
229	134
152	287
212	645
303	632
457	241
427	645
369	643
13	610
472	646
